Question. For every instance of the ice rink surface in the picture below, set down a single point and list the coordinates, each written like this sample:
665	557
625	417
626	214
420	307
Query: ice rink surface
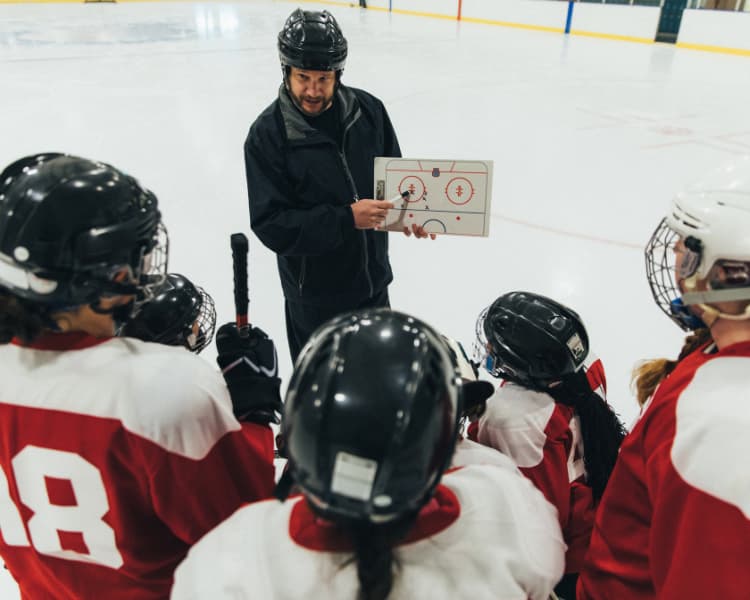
590	138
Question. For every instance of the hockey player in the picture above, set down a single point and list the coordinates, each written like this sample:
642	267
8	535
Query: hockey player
115	454
675	519
179	314
370	418
550	415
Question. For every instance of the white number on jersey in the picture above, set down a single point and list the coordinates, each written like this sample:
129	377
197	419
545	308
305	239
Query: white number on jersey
31	467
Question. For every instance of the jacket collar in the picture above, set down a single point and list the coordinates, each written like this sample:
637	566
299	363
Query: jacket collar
298	129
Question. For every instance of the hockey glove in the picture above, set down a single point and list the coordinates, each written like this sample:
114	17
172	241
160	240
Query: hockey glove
250	368
475	396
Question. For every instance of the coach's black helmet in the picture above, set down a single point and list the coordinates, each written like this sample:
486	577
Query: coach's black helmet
531	340
371	415
180	314
312	40
68	225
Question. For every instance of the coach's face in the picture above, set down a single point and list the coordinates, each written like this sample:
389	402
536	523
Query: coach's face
312	90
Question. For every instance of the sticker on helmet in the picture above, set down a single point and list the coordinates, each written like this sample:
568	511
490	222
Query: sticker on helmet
576	347
353	476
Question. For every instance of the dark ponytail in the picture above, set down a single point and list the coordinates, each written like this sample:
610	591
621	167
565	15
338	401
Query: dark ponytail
373	549
21	319
601	429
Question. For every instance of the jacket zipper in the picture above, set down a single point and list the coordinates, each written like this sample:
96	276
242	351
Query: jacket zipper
356	199
302	270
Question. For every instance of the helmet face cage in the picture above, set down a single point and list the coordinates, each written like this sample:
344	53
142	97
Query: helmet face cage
480	350
660	272
152	269
202	330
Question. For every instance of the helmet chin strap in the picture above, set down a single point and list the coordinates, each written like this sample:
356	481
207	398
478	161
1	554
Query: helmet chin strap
120	313
711	314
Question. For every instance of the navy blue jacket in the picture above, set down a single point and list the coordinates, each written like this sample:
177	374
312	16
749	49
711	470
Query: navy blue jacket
300	187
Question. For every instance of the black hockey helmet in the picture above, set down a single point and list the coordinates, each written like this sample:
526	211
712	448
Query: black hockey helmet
67	224
312	40
180	314
531	340
371	415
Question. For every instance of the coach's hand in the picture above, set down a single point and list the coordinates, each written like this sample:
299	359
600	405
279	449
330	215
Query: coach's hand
250	368
418	231
369	214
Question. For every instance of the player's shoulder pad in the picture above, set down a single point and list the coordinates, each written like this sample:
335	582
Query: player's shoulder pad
177	399
512	405
227	546
469	453
497	491
712	421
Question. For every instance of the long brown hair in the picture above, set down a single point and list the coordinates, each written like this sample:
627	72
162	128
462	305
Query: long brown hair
648	374
21	319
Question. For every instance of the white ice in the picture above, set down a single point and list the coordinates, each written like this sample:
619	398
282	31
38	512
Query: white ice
590	139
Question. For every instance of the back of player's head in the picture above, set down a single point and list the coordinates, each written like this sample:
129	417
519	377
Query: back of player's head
370	424
312	40
70	227
710	221
531	340
179	314
371	416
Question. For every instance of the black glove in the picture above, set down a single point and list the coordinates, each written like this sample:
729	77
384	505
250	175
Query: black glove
475	396
250	368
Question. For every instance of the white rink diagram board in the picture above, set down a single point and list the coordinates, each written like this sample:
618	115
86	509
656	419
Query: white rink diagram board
445	196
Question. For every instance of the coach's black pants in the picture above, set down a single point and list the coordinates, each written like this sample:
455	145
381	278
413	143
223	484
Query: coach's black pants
303	319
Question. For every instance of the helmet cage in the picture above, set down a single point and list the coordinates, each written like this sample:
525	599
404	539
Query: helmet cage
480	352
153	266
660	273
205	323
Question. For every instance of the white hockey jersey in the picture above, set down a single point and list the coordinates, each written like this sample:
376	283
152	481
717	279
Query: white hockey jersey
487	534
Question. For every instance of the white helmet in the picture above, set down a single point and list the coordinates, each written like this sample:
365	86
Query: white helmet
712	218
